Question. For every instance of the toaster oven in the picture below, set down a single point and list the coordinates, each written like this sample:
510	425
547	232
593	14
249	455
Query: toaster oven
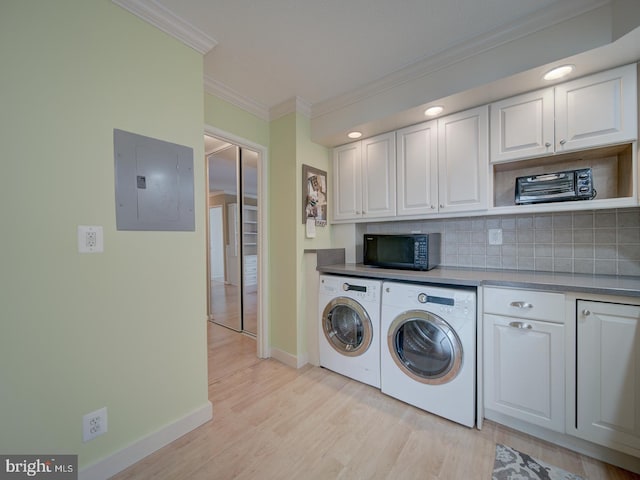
555	187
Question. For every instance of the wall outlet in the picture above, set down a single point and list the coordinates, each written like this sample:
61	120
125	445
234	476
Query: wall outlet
94	424
495	236
90	239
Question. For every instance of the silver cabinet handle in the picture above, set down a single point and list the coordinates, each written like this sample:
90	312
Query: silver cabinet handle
563	141
586	313
521	325
521	305
547	144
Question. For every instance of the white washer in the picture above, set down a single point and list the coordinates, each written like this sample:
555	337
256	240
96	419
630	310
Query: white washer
428	349
349	333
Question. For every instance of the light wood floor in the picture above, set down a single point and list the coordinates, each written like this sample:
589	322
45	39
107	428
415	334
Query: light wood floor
274	422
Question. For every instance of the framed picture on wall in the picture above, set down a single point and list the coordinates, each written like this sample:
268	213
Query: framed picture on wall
314	195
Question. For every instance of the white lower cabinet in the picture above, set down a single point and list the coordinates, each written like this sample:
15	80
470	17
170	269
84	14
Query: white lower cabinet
524	367
608	374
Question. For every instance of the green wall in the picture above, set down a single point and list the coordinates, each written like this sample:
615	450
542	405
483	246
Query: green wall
289	145
225	116
282	230
126	328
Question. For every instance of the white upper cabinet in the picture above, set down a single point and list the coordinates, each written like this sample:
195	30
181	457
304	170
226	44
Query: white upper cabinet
379	176
347	182
597	110
417	167
444	166
463	155
364	179
523	126
589	112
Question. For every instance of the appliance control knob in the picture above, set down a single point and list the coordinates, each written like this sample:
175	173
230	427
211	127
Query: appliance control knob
422	298
345	287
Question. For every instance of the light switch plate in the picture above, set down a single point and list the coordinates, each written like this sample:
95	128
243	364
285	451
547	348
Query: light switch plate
90	239
495	236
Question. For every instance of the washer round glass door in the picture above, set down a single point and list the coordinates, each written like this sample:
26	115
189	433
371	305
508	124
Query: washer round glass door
347	326
425	347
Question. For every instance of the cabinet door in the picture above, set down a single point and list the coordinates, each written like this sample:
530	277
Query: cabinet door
522	126
379	176
347	182
463	160
608	374
597	110
417	167
524	370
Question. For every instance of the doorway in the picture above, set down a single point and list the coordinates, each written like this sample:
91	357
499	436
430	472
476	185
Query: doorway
234	230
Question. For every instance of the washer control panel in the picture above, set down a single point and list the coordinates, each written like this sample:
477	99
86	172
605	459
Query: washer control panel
359	289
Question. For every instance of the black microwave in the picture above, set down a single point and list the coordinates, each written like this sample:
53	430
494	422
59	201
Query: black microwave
410	252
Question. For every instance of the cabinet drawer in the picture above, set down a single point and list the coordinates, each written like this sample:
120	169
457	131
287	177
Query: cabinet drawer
532	304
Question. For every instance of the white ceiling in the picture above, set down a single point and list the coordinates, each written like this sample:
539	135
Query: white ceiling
272	50
264	53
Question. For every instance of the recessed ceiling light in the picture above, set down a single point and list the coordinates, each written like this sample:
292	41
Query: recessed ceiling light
354	134
558	72
433	111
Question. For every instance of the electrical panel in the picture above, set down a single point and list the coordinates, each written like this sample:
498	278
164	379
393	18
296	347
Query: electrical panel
154	184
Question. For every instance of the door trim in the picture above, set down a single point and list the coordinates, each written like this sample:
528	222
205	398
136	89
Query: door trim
263	348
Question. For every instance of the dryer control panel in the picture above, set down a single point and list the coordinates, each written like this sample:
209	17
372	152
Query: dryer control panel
456	303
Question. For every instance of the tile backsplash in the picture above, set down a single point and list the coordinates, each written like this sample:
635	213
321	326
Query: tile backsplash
602	241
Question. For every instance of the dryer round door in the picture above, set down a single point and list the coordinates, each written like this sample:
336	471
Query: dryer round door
425	347
347	326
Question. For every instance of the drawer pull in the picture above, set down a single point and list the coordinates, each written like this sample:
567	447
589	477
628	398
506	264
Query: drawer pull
521	305
521	325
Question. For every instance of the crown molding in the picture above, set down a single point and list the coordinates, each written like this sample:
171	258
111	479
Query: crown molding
227	94
557	13
152	12
293	105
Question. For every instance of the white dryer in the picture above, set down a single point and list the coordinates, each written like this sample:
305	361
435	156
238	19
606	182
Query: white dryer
349	336
428	350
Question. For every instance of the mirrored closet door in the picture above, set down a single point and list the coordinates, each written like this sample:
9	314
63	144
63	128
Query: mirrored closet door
233	235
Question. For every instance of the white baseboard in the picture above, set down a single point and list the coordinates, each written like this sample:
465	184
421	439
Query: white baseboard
109	466
288	359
